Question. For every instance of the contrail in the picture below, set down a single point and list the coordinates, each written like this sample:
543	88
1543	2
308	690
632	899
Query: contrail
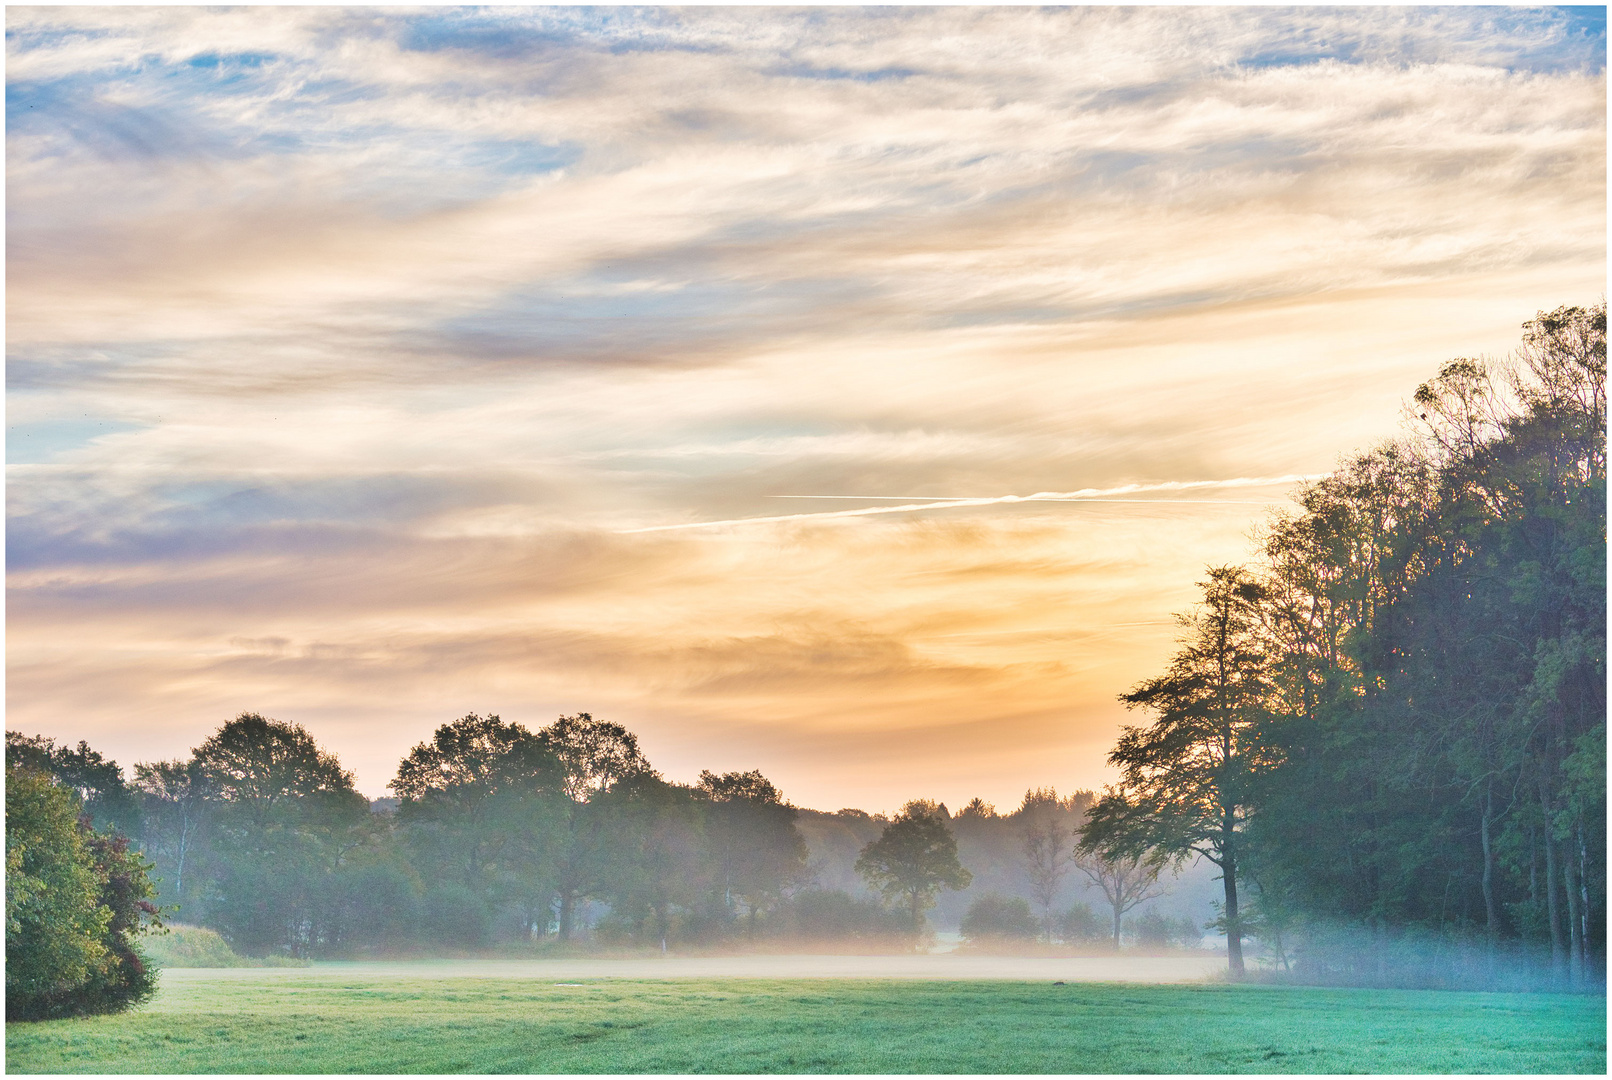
934	503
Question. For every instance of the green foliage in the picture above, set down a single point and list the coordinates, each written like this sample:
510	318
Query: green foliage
75	901
994	917
1080	925
827	916
914	858
98	782
373	1021
758	851
55	926
484	803
1419	744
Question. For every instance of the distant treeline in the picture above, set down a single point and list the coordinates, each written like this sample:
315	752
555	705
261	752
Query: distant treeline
500	834
1390	731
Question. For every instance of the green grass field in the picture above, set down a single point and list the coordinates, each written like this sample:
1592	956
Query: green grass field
320	1020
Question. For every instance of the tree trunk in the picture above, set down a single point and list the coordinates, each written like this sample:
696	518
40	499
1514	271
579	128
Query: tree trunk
567	903
1491	915
1228	875
1553	888
662	922
1118	911
1234	932
1585	913
1575	934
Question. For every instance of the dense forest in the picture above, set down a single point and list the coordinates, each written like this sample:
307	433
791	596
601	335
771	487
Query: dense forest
1389	731
1385	736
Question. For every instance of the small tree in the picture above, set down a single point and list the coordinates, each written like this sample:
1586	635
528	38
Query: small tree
1047	848
914	858
1080	924
997	918
1125	880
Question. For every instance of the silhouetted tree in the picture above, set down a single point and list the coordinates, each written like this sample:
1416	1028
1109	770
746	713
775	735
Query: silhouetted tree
1125	880
756	847
487	798
1185	780
914	858
287	817
1048	848
594	756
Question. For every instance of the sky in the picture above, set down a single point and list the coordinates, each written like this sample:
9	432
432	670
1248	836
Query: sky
370	367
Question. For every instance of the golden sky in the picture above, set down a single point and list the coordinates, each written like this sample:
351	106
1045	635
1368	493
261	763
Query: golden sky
367	368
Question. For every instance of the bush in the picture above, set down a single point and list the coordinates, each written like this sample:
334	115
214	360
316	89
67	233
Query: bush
75	901
1153	930
198	947
995	917
1080	925
831	914
454	916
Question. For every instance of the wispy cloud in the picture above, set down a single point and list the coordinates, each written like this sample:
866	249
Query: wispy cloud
426	342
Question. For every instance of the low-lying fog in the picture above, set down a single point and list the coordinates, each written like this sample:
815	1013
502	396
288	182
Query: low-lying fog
1138	969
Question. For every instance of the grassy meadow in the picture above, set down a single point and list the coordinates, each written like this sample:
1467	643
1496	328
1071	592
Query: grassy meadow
327	1020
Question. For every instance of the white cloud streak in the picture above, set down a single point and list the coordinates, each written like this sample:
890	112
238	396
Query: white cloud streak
1083	495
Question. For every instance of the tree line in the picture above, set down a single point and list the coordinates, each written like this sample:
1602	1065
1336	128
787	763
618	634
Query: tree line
495	834
1389	731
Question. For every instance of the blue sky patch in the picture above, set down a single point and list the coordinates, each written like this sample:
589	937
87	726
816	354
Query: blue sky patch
42	442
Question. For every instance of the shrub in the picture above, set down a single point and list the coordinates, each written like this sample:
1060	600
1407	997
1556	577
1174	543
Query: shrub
1153	930
831	914
995	917
75	901
1081	925
198	947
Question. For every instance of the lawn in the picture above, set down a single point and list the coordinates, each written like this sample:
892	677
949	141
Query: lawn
325	1020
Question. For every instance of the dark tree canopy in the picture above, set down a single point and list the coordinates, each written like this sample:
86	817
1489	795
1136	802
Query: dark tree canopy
914	858
595	754
266	767
736	785
482	797
1185	780
97	780
471	760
